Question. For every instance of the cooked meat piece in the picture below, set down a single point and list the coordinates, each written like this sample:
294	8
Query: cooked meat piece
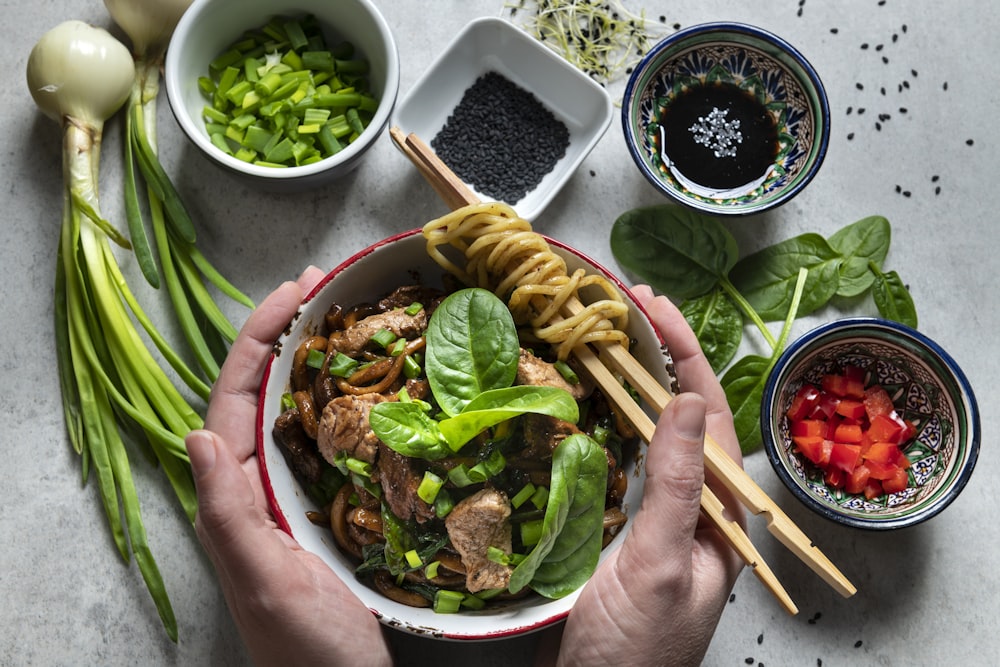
400	476
403	296
344	427
543	433
475	524
352	340
296	446
532	370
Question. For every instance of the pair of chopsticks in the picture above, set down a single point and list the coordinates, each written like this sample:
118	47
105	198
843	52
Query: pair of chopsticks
609	357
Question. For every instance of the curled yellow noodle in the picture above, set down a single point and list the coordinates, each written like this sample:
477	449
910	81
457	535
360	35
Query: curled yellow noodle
502	253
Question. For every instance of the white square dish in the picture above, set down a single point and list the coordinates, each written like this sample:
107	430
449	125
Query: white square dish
492	44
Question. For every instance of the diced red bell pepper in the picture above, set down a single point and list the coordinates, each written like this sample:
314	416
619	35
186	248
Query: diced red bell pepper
873	489
851	409
815	448
885	429
848	434
845	457
898	482
809	427
834	477
881	471
883	452
803	403
857	480
843	386
878	402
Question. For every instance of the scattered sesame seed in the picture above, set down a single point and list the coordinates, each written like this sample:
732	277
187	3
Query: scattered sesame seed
749	661
907	193
885	60
879	47
859	86
903	28
864	46
834	30
937	190
914	73
882	90
849	110
945	86
850	136
732	597
799	12
906	84
935	178
861	110
969	142
857	644
760	639
895	37
878	126
898	189
902	109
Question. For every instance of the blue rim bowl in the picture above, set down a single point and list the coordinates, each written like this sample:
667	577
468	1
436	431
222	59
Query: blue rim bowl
927	387
755	60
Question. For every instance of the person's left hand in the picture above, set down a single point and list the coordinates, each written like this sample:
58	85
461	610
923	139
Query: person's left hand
289	606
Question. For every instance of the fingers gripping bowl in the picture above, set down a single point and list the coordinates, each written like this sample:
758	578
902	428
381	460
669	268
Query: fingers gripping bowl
373	272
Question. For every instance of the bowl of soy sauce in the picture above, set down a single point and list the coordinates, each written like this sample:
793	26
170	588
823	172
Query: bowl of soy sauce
726	118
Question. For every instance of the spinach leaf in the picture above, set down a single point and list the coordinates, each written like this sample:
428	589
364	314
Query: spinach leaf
677	251
718	324
497	405
892	299
767	277
744	386
409	430
398	540
570	546
472	346
861	242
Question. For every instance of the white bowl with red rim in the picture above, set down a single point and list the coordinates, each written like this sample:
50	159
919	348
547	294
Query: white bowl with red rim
372	272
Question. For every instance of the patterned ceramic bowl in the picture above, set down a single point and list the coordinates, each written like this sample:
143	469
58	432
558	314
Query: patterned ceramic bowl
726	118
927	388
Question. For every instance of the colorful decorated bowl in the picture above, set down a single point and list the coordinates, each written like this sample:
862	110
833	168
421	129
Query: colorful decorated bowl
726	118
927	388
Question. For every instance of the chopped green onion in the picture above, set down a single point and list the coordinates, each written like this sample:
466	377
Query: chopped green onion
540	497
414	308
523	496
472	602
431	569
413	558
429	487
567	372
397	348
411	368
287	402
359	467
531	532
459	476
342	365
383	338
443	504
447	602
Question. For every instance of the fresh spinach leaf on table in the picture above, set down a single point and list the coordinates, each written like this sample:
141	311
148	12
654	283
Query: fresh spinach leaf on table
693	258
861	243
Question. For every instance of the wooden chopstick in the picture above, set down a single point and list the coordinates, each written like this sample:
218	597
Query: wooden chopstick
456	194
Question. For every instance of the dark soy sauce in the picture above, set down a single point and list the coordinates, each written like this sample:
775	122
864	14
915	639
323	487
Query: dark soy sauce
717	139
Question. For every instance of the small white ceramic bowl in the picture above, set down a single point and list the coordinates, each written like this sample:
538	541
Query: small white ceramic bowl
495	45
209	27
373	272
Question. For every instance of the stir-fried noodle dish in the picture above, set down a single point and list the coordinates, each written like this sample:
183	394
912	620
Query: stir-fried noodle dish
460	456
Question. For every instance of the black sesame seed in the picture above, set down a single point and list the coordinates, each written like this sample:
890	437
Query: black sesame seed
732	597
799	12
882	90
914	73
902	109
864	46
885	60
895	37
760	639
859	86
878	126
937	190
849	110
907	193
861	110
879	47
850	136
834	31
898	189
945	86
903	28
969	142
857	644
935	178
906	84
749	661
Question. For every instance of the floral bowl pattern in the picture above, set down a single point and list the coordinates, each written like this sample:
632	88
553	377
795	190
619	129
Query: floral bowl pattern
927	387
756	62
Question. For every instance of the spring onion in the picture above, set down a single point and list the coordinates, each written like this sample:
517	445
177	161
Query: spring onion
112	388
429	487
149	25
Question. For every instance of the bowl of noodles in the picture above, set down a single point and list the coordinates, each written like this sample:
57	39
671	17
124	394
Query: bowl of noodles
455	514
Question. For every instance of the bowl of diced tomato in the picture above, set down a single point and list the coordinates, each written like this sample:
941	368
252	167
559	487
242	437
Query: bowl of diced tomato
870	423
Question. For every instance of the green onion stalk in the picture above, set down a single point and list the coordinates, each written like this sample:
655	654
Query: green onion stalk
113	389
186	272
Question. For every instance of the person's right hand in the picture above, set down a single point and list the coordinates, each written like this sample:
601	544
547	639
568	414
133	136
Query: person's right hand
657	599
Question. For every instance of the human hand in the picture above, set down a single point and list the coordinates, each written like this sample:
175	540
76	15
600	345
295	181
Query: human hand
658	599
289	607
